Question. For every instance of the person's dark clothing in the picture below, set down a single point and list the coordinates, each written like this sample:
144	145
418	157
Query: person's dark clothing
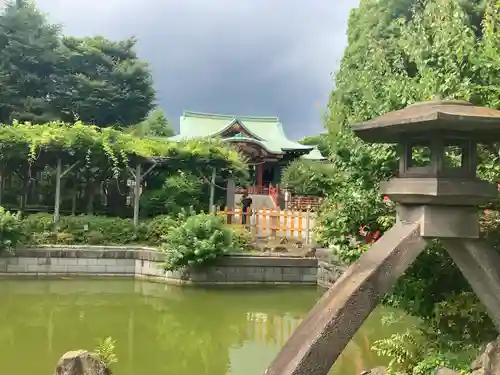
246	203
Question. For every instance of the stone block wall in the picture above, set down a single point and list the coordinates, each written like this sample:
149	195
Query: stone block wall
329	272
253	270
82	260
146	263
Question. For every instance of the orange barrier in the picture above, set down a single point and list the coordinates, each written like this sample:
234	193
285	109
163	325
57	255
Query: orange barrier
290	224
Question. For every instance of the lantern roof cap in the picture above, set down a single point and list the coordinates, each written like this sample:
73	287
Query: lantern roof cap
425	118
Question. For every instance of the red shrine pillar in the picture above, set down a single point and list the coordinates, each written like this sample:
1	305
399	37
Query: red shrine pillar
259	177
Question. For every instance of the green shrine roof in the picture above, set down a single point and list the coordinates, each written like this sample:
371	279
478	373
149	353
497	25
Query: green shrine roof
268	132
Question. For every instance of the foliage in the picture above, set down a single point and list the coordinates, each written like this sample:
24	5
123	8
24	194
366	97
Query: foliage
29	63
320	141
400	52
105	156
10	230
106	148
197	240
411	352
45	76
312	140
241	238
177	192
158	227
422	349
106	351
115	89
306	177
37	229
155	125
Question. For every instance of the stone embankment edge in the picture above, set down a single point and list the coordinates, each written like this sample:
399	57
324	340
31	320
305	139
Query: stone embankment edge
145	262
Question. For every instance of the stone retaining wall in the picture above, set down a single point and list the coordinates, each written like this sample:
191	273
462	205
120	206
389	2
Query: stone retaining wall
329	272
253	270
146	263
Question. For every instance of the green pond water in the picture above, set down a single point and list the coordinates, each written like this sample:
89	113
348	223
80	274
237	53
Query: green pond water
162	329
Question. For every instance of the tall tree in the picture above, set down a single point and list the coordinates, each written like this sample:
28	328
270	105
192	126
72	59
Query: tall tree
106	84
155	125
30	63
400	52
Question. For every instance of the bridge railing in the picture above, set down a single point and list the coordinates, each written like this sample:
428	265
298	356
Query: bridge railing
268	223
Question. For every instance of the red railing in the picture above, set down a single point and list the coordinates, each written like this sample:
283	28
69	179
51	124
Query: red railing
262	190
273	193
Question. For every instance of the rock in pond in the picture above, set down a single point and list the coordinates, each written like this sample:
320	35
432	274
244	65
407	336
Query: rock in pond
488	362
81	362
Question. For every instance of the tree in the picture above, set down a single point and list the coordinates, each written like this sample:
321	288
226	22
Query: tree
400	52
30	64
155	125
308	177
105	83
320	141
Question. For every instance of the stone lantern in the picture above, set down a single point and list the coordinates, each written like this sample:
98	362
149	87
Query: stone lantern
437	193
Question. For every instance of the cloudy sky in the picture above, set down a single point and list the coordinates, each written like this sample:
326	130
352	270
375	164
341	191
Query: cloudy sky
246	57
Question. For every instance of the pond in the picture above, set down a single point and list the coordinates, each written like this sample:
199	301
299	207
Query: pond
162	329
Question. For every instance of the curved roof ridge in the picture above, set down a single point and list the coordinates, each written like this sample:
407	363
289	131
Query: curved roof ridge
220	116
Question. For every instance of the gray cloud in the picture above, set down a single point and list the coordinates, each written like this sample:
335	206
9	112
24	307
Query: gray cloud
246	57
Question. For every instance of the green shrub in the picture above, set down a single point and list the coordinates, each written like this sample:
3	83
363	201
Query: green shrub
38	223
10	230
158	227
37	229
105	350
198	240
241	238
115	230
95	237
63	238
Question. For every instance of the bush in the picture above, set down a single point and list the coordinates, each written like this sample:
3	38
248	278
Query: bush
157	228
198	240
86	229
94	237
241	238
63	238
10	230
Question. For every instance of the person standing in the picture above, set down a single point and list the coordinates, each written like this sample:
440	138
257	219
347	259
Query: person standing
246	203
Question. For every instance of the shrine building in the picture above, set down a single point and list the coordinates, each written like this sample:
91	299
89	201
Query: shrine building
262	140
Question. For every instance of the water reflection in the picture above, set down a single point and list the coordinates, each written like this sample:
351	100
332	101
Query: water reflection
160	329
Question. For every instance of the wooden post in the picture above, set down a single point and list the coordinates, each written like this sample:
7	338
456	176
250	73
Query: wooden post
211	207
259	178
230	199
73	203
137	194
138	177
59	175
57	203
308	226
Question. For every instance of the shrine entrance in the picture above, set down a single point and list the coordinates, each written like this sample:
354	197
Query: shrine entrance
261	160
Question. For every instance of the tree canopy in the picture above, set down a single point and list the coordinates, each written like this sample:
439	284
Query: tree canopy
155	125
400	52
115	88
46	76
108	148
30	61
